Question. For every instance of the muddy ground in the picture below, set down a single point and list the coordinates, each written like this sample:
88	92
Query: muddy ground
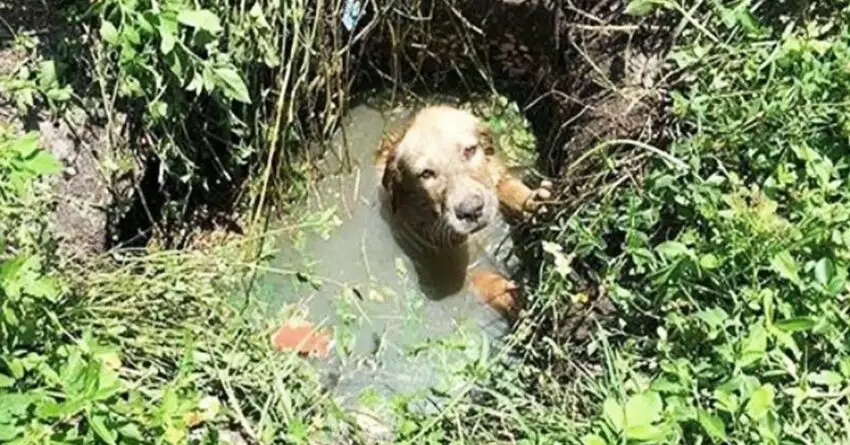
84	197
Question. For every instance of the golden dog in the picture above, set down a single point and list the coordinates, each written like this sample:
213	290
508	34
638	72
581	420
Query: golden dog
443	183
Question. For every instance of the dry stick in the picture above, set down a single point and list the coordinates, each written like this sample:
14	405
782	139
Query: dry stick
666	156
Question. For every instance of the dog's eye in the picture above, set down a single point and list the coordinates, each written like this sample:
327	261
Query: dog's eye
427	174
469	152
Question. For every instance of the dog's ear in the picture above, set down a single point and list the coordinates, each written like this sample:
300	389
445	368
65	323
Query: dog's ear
485	139
391	177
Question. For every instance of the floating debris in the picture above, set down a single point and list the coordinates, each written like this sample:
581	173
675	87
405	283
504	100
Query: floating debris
302	337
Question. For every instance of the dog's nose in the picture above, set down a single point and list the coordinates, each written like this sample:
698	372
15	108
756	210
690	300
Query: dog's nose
470	209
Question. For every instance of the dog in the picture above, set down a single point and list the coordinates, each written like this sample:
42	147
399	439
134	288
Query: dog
443	184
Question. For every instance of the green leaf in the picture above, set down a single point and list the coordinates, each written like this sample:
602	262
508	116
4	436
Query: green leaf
131	431
44	287
754	346
641	7
785	265
593	439
167	40
231	83
664	385
643	409
99	426
709	261
9	432
26	145
108	32
15	404
48	408
614	413
10	268
761	402
49	374
824	271
6	381
47	76
714	317
43	163
796	324
713	425
726	400
826	378
200	19
16	366
649	433
672	249
838	281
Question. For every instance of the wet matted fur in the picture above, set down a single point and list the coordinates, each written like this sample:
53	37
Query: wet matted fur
443	183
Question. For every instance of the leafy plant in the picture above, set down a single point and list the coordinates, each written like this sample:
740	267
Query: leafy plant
726	260
739	261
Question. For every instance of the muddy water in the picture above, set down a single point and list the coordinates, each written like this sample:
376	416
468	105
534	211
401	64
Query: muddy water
389	337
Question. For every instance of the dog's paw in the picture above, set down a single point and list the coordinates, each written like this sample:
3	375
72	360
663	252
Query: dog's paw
536	203
497	291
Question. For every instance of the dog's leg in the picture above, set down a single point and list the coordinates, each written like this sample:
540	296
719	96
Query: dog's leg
497	291
516	197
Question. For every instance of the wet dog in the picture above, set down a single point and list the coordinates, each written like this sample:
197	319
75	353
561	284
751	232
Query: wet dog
443	184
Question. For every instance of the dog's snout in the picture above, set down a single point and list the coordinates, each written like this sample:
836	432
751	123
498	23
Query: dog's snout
470	209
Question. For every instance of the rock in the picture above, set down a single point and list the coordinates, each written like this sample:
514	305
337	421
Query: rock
83	192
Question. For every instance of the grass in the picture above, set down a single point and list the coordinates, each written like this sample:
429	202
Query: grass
725	260
135	349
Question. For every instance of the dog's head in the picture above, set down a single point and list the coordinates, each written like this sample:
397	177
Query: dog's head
438	175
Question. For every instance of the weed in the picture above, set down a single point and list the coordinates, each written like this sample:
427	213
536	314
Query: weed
142	350
727	260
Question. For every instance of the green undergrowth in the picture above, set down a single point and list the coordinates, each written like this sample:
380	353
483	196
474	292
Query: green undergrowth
726	261
129	348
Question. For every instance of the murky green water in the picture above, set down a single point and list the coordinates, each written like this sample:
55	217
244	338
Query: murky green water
390	338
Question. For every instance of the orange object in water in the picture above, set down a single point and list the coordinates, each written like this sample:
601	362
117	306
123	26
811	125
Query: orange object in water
303	338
